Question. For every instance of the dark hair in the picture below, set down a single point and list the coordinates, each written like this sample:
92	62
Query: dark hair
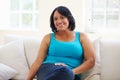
65	12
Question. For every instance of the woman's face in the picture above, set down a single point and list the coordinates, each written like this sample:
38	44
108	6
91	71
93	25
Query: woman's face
61	22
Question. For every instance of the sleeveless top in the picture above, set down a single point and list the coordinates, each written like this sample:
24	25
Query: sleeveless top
69	53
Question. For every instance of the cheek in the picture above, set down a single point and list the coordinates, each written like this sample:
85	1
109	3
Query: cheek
67	23
55	24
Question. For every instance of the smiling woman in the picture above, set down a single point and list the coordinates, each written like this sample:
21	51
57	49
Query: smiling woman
63	54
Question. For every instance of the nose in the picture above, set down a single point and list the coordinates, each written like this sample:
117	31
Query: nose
59	21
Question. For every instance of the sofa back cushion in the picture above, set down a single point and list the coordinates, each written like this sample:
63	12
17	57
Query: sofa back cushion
12	54
96	69
110	56
31	46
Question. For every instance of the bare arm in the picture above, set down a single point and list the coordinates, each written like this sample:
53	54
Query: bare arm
88	55
40	57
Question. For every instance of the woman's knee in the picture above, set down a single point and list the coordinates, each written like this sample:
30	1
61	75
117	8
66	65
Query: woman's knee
65	72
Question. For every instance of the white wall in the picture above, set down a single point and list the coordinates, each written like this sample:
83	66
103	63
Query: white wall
45	9
79	9
47	6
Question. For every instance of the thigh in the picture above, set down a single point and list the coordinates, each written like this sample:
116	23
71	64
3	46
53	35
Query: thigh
49	71
62	73
44	71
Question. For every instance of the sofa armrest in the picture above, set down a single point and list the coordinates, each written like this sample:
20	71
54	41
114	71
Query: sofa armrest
94	76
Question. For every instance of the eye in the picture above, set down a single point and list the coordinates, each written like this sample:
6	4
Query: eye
55	18
62	17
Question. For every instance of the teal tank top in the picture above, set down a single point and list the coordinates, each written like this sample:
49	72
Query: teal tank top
69	53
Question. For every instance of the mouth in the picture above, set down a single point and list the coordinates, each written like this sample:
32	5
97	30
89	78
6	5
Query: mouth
60	25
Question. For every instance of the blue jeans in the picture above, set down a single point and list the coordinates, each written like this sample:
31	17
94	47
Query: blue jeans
49	71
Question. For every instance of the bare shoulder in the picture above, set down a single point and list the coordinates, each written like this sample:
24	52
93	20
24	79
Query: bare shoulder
83	36
46	38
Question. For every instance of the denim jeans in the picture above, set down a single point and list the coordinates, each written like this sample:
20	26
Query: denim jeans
49	71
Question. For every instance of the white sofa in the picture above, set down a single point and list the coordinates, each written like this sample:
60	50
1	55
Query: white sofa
18	53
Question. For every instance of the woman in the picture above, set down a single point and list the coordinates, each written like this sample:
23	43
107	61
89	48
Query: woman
63	54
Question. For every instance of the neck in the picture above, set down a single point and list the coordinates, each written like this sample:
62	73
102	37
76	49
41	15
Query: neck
65	35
